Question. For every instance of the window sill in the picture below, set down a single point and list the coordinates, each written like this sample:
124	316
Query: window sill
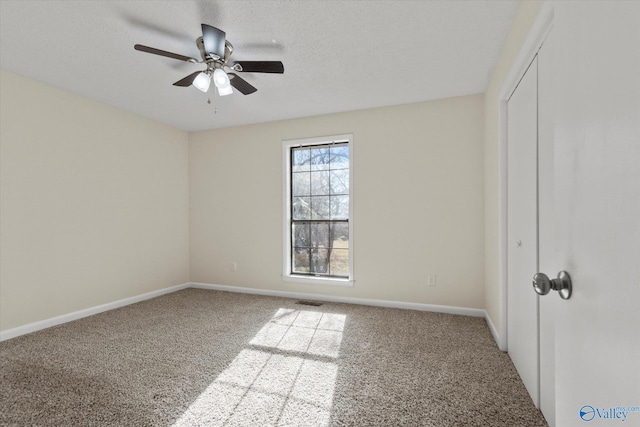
318	280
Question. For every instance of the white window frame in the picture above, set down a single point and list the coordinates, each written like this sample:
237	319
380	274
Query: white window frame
286	173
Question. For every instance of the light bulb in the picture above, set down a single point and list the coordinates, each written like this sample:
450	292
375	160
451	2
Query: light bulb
220	78
202	81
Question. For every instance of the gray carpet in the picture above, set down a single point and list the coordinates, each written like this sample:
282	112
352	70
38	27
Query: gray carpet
205	358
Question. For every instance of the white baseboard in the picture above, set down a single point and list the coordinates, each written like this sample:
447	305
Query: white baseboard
58	320
476	312
494	331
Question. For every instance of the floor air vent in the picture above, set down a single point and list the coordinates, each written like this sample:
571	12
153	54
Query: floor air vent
313	303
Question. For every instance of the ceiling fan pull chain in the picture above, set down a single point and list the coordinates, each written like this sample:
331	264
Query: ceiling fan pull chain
215	107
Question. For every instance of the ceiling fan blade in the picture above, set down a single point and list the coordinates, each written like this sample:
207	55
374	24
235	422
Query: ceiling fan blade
187	81
261	66
160	52
213	40
241	84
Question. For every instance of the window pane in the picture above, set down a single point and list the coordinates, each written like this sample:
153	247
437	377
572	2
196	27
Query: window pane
340	181
301	261
301	160
301	184
320	207
301	208
301	235
319	261
320	158
339	157
320	234
339	261
339	207
320	183
340	234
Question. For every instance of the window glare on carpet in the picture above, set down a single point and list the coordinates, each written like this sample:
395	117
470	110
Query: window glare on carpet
286	375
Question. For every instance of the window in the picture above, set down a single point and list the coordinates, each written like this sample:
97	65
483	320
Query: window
318	210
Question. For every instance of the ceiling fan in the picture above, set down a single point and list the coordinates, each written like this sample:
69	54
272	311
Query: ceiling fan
215	51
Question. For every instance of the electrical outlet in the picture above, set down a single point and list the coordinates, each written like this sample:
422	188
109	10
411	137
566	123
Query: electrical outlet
234	266
431	279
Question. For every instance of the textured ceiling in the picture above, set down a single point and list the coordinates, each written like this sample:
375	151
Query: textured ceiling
338	55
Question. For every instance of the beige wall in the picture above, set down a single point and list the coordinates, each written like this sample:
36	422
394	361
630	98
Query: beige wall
418	202
522	23
93	203
98	204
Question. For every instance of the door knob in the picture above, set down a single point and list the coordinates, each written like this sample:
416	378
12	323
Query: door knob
542	284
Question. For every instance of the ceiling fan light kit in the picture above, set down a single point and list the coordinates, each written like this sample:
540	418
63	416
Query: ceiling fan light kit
215	51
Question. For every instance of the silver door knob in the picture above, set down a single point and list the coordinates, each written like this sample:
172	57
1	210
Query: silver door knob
542	284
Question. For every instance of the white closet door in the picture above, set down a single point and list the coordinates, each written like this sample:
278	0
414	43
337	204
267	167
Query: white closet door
522	230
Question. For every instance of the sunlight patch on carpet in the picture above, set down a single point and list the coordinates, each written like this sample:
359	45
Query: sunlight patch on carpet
285	376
